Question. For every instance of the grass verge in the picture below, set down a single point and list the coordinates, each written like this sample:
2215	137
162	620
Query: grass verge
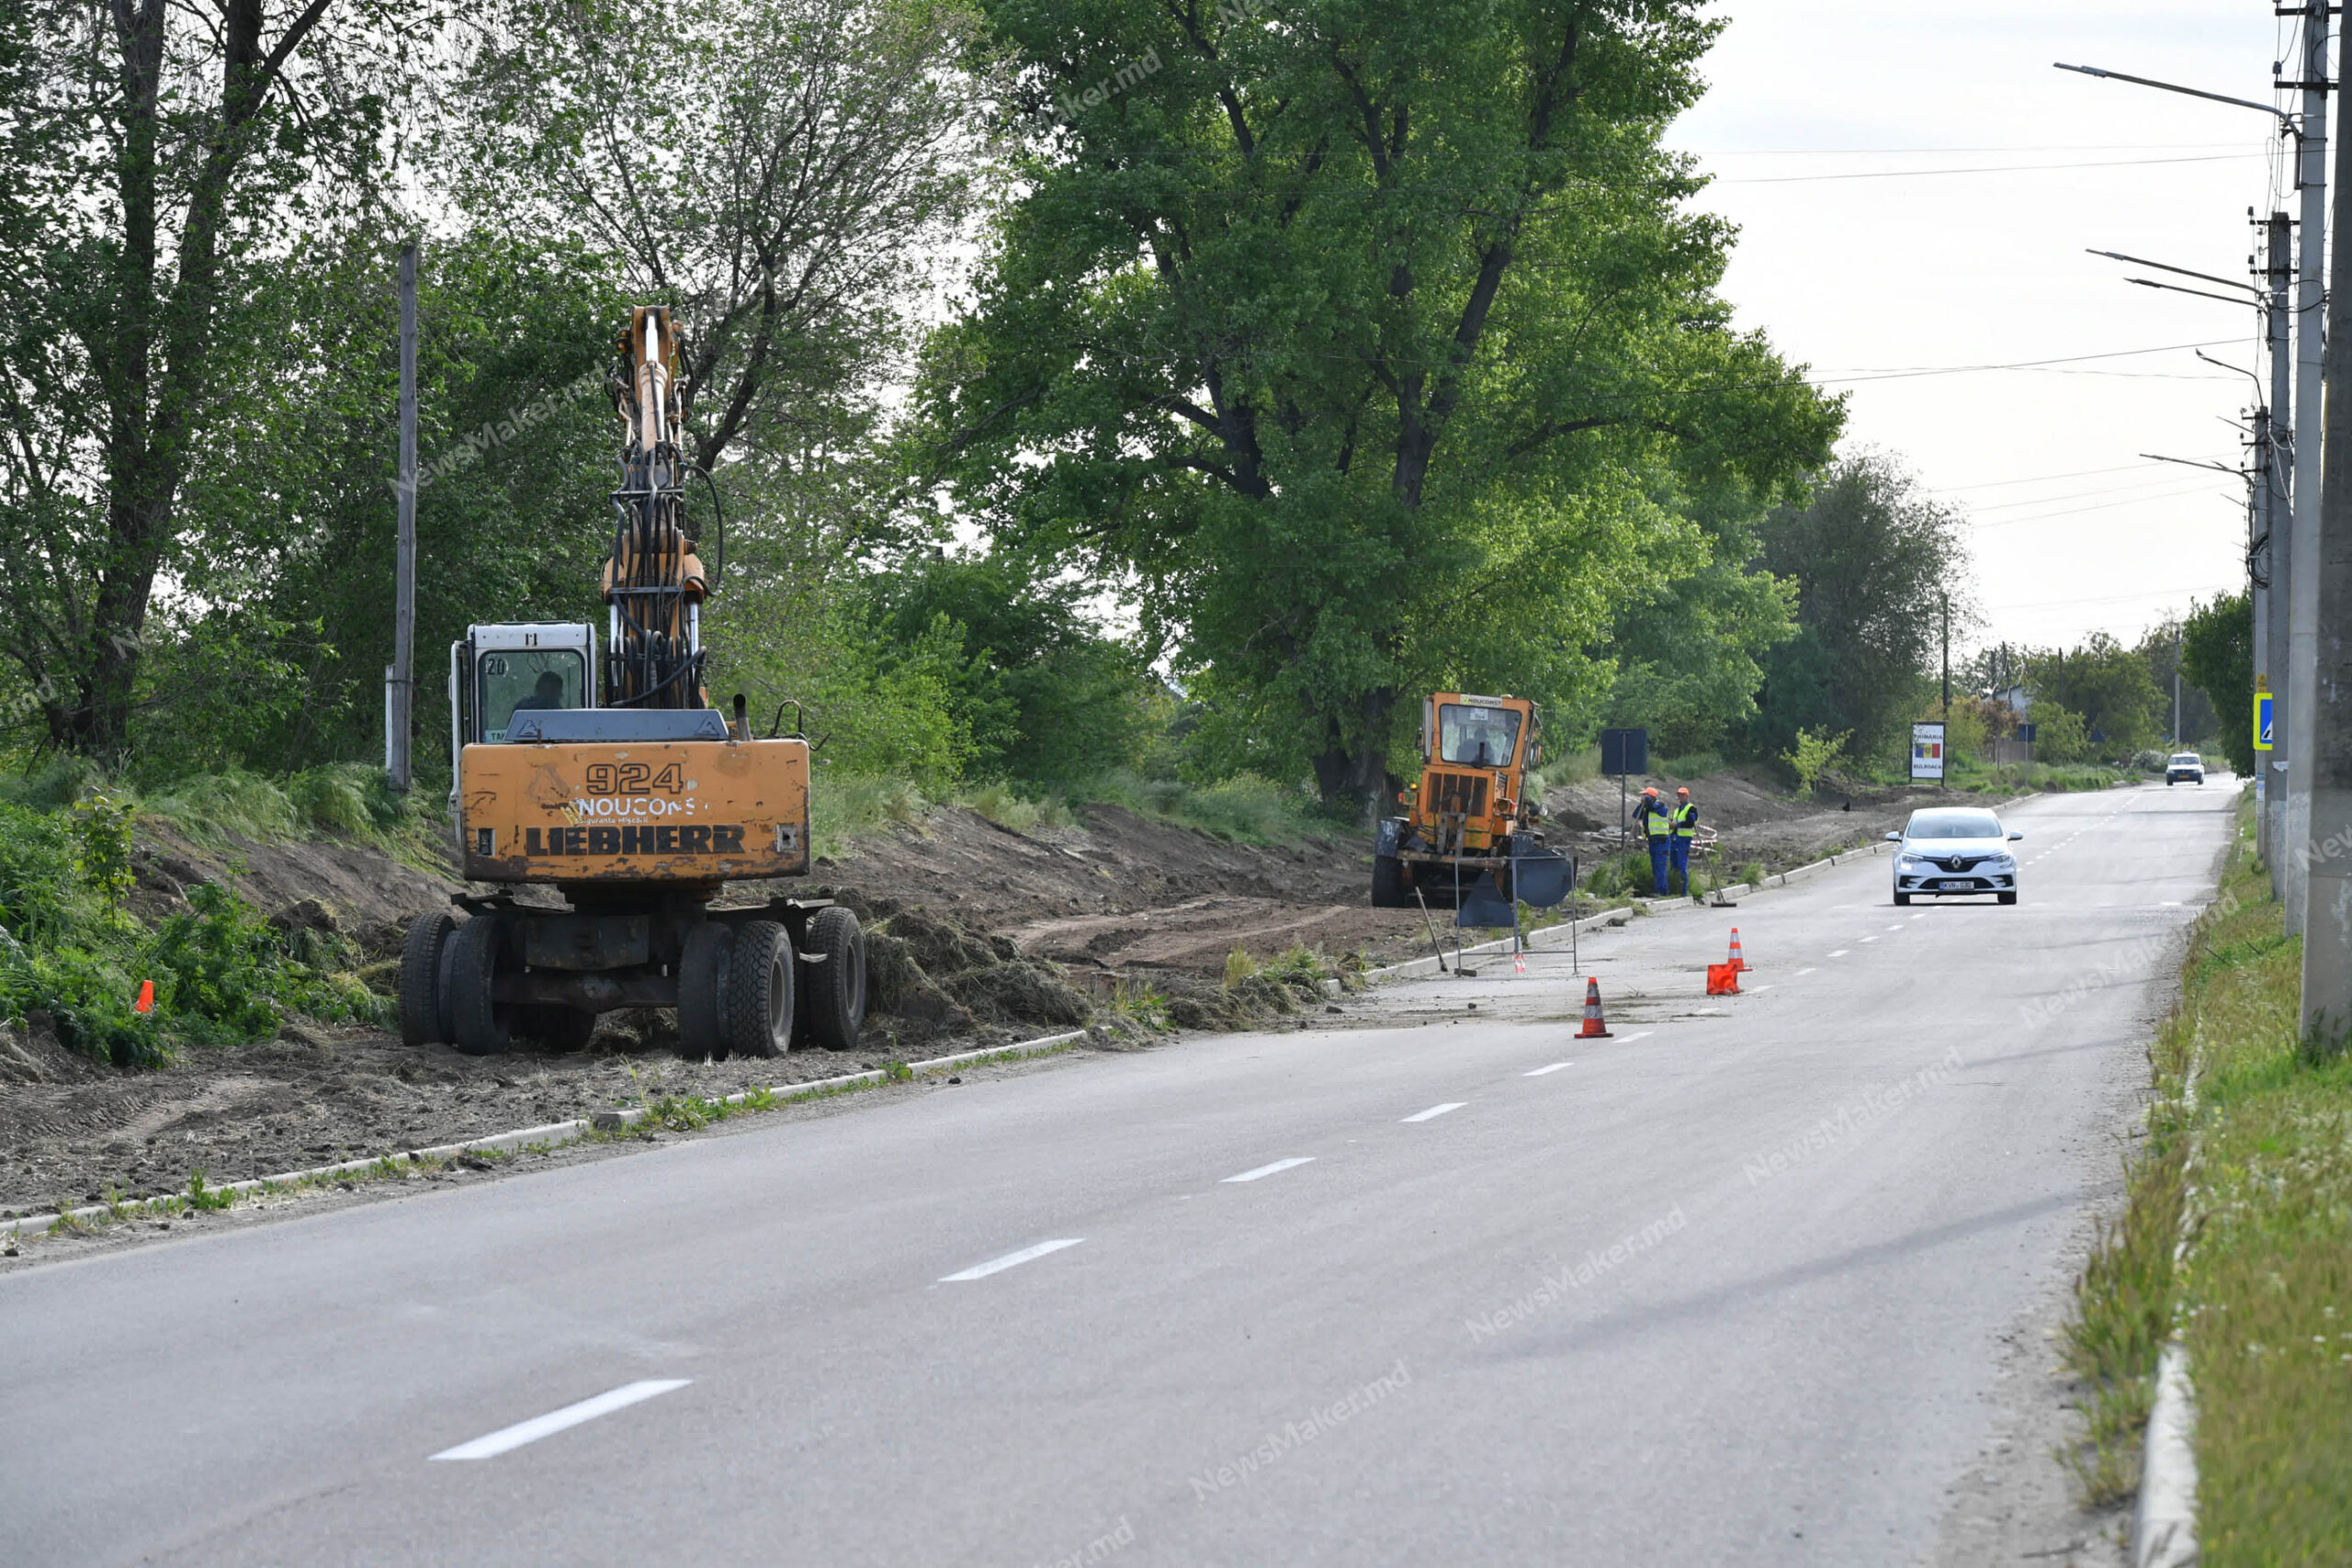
2251	1135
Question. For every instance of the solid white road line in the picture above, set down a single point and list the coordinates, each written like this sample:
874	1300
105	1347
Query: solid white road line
555	1421
1274	1170
1436	1110
1010	1260
1552	1068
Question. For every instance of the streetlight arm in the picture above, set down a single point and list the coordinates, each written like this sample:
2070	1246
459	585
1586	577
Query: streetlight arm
2162	267
2177	289
2173	87
2191	463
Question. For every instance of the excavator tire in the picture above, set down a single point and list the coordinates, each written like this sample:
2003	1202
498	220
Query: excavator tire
702	990
480	1024
759	989
424	1020
835	984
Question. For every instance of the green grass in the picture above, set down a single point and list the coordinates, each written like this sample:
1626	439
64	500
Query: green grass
2264	1300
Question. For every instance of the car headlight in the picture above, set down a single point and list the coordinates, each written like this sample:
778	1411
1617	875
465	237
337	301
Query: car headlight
1908	864
2000	863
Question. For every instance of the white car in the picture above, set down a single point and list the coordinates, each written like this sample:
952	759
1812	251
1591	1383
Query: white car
2183	765
1949	852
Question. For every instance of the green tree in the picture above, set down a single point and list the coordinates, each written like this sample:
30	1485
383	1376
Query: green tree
1047	697
153	158
2217	653
1869	555
2109	686
1352	342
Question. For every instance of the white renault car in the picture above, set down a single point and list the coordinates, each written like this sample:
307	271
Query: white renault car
1952	851
2183	765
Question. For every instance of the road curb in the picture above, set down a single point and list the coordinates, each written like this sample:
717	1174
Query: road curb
548	1135
2164	1530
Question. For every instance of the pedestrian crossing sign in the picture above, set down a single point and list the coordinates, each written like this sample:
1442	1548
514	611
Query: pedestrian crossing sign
2262	721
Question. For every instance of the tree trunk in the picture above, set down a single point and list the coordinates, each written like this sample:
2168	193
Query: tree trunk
1351	769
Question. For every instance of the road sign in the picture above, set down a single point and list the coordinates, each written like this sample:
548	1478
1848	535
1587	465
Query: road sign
1927	750
2262	721
1624	751
2025	733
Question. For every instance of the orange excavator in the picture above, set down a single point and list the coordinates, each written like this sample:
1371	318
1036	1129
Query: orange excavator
612	779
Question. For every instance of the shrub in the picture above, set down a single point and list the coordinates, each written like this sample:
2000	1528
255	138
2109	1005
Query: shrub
1816	754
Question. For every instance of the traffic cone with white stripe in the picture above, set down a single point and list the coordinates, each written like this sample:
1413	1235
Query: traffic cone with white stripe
1596	1025
1738	960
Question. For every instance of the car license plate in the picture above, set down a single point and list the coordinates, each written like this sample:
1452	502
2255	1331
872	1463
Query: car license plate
1956	886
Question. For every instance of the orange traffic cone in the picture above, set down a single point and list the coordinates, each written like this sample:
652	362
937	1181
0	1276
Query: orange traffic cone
1596	1026
1723	979
1738	959
146	1002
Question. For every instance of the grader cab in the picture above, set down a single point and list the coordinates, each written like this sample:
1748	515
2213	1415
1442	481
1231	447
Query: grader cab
1468	838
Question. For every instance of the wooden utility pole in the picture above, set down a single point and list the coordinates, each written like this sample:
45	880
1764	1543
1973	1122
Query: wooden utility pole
2277	522
2325	848
400	684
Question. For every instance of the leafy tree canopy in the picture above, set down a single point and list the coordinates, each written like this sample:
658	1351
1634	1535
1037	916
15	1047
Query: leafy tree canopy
1351	338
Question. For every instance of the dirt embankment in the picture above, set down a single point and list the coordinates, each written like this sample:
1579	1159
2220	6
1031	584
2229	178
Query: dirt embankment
968	948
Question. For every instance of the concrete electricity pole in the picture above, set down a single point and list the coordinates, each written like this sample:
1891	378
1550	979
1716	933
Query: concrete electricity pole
2324	849
2269	582
2302	588
400	685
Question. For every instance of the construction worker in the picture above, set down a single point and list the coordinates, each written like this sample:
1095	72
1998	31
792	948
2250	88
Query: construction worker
1686	830
1658	829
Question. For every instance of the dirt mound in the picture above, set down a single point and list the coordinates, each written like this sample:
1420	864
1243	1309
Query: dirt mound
319	886
929	977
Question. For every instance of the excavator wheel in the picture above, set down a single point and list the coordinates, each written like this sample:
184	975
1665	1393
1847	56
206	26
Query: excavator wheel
834	983
480	1025
759	989
702	990
424	1019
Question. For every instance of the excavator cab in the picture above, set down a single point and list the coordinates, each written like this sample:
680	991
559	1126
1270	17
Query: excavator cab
498	672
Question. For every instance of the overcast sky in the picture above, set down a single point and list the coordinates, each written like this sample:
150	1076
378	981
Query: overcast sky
2072	531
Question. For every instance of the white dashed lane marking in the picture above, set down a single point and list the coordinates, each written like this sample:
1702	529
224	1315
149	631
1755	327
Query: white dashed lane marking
1274	1170
554	1421
1552	1068
1436	1110
1010	1260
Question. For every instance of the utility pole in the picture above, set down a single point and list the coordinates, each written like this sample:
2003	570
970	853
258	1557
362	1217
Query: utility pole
400	685
2302	606
2326	760
1942	778
2278	524
2175	686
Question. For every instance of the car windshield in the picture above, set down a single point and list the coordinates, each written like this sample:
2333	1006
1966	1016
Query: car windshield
2188	757
1953	825
1482	737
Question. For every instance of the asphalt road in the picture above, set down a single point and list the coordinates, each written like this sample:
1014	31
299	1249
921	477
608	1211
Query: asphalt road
1727	1288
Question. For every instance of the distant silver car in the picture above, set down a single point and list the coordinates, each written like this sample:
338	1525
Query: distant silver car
2184	767
1947	851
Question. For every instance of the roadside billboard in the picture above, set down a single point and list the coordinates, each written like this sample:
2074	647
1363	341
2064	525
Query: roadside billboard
1928	751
